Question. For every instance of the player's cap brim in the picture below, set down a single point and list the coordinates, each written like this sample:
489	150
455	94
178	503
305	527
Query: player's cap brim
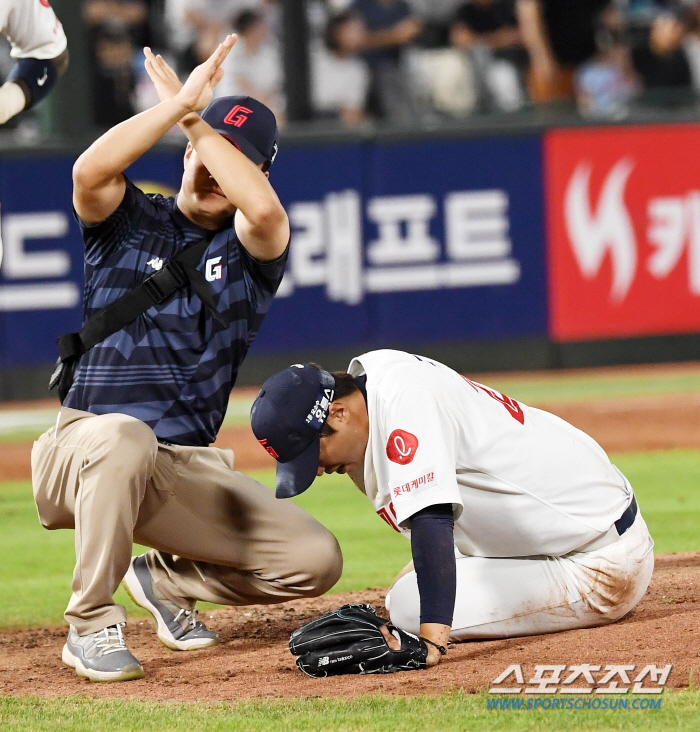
295	476
245	146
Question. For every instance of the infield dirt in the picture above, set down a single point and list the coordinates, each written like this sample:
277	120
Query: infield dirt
253	659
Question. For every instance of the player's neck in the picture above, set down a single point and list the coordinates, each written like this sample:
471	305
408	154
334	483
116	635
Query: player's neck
197	216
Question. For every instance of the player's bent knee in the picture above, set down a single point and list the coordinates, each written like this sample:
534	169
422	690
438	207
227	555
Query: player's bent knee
322	563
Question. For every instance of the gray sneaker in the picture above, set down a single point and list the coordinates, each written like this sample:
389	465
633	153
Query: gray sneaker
101	656
178	629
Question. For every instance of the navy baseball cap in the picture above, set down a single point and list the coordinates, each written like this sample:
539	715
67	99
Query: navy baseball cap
286	418
248	124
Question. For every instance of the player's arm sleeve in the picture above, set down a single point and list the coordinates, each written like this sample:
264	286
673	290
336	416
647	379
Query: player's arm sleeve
420	440
262	277
102	238
432	547
36	77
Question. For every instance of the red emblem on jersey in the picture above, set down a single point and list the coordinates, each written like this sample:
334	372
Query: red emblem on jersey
401	447
45	3
269	448
238	115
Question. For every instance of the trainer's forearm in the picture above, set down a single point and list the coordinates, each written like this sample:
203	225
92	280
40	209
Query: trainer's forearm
124	144
242	182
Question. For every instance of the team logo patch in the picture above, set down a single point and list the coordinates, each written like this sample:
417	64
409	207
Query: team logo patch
401	447
238	116
213	269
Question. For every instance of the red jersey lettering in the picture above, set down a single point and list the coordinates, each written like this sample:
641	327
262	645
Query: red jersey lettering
515	410
389	516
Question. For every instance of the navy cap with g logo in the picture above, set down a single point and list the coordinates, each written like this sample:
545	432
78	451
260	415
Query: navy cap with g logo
286	418
248	124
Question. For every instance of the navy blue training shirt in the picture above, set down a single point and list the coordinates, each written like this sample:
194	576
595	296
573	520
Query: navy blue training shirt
173	368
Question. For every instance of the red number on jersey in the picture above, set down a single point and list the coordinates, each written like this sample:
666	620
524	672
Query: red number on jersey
515	410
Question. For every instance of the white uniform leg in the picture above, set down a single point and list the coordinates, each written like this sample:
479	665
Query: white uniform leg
502	598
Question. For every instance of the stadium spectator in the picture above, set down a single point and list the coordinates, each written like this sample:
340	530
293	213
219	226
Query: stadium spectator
488	31
390	26
339	77
559	36
128	16
436	17
208	20
606	84
691	42
662	61
118	29
255	69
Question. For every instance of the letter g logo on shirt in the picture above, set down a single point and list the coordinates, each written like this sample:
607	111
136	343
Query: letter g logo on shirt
401	447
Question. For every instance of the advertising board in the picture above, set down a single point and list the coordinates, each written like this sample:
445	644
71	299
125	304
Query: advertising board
623	231
392	244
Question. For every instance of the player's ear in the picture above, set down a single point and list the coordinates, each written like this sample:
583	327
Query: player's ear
267	174
337	413
188	151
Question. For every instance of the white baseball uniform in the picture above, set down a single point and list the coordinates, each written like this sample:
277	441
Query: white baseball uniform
32	28
34	31
535	502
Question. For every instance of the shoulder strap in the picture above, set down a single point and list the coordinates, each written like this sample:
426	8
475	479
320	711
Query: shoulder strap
176	274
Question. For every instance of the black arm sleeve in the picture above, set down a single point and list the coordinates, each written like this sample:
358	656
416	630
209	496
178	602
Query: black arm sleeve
432	546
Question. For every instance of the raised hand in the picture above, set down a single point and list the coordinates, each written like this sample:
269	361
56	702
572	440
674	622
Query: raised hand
198	90
162	75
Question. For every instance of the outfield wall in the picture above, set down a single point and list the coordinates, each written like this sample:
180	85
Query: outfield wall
515	250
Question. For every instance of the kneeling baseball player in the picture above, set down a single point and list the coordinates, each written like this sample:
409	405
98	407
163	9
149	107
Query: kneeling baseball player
519	523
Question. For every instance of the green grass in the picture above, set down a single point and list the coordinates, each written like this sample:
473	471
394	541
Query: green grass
666	484
570	386
448	712
35	574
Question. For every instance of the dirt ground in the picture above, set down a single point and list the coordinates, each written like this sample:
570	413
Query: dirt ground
253	659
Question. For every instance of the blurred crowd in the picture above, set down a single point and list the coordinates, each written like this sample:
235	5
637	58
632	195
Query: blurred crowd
403	60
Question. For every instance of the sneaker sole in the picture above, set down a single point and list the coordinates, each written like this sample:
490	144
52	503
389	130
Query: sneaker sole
135	591
72	661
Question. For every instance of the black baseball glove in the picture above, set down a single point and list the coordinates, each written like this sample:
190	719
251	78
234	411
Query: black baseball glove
349	641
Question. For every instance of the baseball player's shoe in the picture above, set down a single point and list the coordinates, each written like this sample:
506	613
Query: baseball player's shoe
178	629
101	656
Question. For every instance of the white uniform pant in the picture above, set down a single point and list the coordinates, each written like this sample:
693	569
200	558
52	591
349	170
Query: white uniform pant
508	597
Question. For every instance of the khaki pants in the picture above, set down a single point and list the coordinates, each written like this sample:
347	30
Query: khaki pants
217	535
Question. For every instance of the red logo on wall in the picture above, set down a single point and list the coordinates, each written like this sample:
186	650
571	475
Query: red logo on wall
623	231
401	447
238	115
